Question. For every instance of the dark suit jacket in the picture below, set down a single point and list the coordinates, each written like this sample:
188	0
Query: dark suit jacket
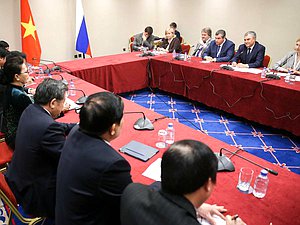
254	59
174	45
91	177
32	172
226	53
141	205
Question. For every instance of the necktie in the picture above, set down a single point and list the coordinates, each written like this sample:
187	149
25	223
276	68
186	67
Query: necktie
218	49
199	51
248	51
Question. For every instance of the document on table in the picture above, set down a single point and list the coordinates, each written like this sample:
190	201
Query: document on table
247	70
72	104
218	220
153	171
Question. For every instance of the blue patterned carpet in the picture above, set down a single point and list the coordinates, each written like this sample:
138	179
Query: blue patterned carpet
272	145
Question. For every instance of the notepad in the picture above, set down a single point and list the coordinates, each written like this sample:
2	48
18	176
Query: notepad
139	150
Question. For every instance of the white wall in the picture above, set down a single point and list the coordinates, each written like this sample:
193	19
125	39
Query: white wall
111	22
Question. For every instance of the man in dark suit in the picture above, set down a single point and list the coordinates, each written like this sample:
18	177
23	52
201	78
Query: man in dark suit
91	175
220	50
39	141
188	177
250	54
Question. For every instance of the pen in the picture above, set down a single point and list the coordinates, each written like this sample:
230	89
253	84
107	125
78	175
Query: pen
235	217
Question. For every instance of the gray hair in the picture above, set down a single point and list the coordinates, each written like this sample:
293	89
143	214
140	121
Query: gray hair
207	30
251	33
50	89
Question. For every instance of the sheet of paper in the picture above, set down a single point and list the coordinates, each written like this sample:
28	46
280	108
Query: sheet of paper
247	70
153	171
72	104
219	221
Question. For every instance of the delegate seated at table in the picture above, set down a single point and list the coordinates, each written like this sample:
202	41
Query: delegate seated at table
145	39
170	42
291	61
32	172
188	177
91	175
204	43
219	50
15	99
250	54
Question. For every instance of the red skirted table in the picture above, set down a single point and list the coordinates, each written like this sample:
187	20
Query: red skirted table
270	102
117	73
281	204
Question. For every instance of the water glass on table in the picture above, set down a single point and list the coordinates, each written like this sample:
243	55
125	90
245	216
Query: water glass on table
245	178
161	139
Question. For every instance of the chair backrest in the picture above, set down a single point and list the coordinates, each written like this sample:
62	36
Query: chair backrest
10	201
185	48
6	154
266	61
181	39
130	46
131	39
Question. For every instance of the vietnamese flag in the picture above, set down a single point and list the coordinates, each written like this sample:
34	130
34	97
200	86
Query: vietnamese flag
30	41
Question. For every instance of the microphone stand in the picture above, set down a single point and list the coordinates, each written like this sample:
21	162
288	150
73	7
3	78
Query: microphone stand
248	160
142	123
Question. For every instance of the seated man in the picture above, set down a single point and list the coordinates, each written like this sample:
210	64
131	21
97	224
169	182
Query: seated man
202	46
250	54
91	175
39	141
176	32
220	50
145	39
188	177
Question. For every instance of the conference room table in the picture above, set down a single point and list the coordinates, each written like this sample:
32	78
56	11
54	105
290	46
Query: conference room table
281	203
273	103
269	102
116	73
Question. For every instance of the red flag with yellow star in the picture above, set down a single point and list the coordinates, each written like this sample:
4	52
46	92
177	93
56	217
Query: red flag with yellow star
30	41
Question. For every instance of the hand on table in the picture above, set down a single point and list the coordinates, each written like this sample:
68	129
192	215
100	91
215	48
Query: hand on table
231	220
207	211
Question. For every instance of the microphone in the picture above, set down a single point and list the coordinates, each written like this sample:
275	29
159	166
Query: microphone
46	71
227	66
82	99
142	123
226	164
62	78
55	67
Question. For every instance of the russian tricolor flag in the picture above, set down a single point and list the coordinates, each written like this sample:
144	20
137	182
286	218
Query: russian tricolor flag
82	38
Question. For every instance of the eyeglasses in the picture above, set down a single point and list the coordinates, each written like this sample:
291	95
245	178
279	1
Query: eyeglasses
25	72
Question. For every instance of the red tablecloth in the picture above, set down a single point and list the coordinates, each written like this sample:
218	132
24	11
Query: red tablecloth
117	73
281	204
270	102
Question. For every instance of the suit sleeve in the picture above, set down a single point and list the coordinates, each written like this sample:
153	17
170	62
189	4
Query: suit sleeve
259	58
136	42
229	54
175	46
207	52
237	56
116	178
54	138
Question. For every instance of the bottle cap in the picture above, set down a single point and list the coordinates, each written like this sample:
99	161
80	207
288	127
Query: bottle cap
170	124
264	172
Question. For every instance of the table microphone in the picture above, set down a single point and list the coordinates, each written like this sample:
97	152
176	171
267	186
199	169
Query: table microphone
142	123
82	99
242	157
61	76
227	66
46	71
